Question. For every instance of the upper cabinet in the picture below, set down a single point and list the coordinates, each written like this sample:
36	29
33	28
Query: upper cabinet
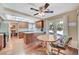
40	24
23	24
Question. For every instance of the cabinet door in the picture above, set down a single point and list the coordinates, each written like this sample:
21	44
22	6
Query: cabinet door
40	24
23	24
21	35
1	41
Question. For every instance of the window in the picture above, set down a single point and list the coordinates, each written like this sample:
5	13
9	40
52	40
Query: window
56	27
31	26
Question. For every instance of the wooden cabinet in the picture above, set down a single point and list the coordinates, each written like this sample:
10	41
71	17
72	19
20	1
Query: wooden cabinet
29	37
40	24
21	35
1	41
23	24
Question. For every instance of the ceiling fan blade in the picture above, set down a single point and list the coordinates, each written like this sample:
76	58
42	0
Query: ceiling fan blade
46	5
34	9
48	11
36	14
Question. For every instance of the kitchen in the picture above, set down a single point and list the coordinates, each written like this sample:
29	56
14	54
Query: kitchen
21	32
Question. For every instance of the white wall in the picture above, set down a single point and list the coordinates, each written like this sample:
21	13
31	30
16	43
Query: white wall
72	29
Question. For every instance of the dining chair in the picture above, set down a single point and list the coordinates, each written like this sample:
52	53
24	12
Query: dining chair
60	46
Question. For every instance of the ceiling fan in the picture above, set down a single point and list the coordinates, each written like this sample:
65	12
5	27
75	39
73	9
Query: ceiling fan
42	10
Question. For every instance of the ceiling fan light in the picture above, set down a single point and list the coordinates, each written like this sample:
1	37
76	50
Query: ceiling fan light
42	14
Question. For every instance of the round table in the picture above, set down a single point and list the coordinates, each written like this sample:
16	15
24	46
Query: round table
46	39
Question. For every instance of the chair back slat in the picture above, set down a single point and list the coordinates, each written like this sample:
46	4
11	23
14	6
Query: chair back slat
68	41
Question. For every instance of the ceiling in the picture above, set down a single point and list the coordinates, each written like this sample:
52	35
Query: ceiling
58	8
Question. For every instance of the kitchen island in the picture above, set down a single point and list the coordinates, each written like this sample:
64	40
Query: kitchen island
29	36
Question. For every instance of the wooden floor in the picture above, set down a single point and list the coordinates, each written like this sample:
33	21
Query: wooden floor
67	51
17	47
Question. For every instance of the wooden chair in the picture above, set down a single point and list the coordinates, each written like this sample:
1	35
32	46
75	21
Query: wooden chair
61	46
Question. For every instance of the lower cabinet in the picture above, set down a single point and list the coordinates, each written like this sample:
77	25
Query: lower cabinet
21	35
29	37
2	41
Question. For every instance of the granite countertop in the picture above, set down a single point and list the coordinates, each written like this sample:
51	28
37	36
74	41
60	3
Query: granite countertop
30	31
34	32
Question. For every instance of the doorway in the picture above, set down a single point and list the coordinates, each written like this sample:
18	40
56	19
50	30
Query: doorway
13	29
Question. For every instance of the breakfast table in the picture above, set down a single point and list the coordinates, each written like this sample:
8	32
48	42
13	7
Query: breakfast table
46	40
